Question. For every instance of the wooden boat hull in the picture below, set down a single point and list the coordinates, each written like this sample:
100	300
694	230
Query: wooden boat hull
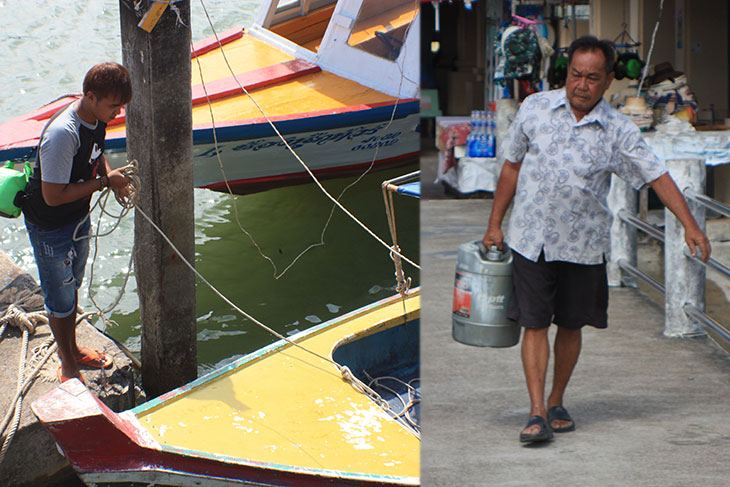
109	448
332	145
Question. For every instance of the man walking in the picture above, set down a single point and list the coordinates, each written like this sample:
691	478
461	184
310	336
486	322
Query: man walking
71	167
560	152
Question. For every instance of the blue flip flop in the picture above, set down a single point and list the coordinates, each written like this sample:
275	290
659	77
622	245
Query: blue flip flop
545	433
559	412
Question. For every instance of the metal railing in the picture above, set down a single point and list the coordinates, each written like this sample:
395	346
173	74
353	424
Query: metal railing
684	275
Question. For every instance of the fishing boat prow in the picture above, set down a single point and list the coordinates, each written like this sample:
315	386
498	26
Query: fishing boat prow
290	414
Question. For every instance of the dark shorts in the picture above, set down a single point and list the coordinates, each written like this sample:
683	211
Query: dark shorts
567	294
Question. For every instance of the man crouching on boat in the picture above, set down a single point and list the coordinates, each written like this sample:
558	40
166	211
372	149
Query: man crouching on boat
70	167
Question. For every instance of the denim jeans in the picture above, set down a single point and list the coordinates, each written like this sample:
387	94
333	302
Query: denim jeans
61	264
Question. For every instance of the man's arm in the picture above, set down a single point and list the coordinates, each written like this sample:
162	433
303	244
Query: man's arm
673	199
59	194
506	187
103	168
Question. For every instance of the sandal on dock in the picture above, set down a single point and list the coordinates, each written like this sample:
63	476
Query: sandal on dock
545	433
560	413
96	359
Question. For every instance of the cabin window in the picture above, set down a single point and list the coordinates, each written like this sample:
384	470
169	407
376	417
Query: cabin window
286	5
381	26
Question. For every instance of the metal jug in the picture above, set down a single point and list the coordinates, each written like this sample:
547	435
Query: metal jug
482	291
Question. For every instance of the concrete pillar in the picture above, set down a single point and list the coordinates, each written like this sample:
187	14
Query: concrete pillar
684	278
159	136
623	236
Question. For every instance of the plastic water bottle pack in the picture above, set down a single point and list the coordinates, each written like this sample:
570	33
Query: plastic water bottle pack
480	141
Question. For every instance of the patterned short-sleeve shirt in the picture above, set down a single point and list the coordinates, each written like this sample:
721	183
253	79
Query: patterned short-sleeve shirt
560	200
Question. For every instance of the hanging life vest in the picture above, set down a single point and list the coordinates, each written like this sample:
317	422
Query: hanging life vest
12	188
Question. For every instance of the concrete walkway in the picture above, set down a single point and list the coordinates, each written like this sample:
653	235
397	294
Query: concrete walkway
650	411
33	458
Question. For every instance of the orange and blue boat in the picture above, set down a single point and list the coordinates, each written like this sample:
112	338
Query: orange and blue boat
338	79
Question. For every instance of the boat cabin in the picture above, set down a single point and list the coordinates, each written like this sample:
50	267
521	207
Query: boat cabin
343	36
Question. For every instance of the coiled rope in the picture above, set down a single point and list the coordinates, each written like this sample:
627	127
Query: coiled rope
26	322
131	171
407	407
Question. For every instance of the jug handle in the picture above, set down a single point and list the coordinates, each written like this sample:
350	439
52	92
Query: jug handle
482	250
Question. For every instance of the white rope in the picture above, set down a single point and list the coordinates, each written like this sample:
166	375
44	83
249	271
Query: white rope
16	316
407	407
131	171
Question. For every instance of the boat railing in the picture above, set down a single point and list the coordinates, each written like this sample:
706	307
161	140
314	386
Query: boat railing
684	275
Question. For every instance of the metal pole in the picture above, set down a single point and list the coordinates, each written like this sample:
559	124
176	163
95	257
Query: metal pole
642	275
684	278
623	236
159	136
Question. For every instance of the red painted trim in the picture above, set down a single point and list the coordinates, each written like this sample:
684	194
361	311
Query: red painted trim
211	43
251	80
255	185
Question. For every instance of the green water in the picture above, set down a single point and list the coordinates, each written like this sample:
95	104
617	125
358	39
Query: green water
49	46
349	271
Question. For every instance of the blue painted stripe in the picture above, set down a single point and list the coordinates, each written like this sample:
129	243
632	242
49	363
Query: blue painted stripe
310	124
294	126
263	129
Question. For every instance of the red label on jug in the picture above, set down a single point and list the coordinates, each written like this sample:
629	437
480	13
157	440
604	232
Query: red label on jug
462	296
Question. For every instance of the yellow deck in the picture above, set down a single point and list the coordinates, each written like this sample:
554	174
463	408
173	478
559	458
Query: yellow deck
309	93
293	409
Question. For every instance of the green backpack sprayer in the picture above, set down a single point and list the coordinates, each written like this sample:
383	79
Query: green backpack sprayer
12	186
